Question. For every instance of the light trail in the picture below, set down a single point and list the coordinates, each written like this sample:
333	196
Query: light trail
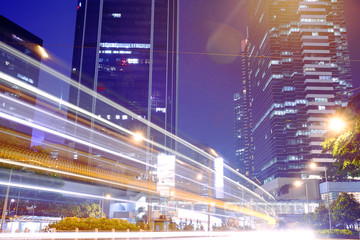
97	179
33	125
183	195
82	127
26	165
99	145
54	116
55	99
62	77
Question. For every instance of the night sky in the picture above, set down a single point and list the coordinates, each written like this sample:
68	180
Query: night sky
207	83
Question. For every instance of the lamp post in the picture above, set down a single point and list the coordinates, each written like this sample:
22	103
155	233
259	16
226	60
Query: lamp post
298	184
107	196
315	167
139	137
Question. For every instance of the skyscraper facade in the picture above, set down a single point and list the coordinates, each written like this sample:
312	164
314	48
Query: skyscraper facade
24	42
299	75
243	117
126	50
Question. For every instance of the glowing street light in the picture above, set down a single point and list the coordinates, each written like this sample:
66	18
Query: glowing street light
43	53
199	176
298	183
337	124
138	137
312	165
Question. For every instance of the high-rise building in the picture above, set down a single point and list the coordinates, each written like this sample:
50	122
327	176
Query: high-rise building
299	75
243	117
126	50
24	42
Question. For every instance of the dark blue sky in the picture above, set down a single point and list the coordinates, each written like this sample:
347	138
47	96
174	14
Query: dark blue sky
206	83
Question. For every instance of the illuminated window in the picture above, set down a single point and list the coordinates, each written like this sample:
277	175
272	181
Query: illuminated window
133	60
315	20
116	15
160	110
288	89
309	69
124	117
321	100
277	76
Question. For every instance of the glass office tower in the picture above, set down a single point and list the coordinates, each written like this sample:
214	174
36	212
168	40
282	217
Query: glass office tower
299	75
23	42
126	50
243	117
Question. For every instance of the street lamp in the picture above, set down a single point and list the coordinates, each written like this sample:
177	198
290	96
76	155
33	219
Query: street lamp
42	52
299	184
336	124
139	137
107	196
316	168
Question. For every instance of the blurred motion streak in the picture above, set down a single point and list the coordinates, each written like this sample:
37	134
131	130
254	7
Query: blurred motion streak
95	150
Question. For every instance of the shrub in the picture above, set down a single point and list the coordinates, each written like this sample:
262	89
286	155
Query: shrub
338	233
90	223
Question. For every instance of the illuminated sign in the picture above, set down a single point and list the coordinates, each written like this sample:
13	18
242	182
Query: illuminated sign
166	174
125	45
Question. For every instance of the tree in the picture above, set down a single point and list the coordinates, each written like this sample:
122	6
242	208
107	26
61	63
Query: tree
345	210
321	217
344	147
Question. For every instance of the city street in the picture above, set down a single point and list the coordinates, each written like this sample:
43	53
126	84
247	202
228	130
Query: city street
252	235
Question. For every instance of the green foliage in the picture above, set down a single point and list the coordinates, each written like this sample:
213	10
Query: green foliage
90	223
337	233
345	210
321	217
344	147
